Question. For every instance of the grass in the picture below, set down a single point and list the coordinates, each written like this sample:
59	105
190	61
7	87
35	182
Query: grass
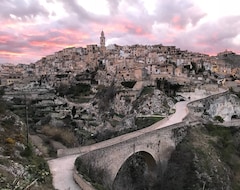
142	122
227	144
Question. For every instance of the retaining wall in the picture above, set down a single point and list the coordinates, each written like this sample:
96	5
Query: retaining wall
81	182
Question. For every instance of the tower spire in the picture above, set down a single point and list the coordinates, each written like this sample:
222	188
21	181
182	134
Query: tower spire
102	42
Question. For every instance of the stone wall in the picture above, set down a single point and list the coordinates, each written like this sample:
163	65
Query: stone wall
81	182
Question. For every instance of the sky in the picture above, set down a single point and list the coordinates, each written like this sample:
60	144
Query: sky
32	29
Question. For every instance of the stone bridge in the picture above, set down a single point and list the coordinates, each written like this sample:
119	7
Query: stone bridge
155	147
155	144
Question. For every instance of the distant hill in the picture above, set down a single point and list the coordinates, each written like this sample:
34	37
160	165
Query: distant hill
232	59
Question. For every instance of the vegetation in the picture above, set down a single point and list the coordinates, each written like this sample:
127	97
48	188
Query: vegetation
76	90
227	144
91	175
2	103
145	93
106	95
25	168
63	135
167	87
133	174
208	158
142	122
219	118
128	84
148	90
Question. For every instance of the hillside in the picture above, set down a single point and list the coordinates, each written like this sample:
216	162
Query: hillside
20	166
232	59
208	158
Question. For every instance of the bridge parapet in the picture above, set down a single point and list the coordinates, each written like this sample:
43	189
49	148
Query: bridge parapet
158	143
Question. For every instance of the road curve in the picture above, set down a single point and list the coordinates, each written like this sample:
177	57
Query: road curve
62	168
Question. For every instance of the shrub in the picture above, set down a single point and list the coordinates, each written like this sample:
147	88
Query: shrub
142	122
219	118
62	135
27	152
2	107
147	90
128	84
10	141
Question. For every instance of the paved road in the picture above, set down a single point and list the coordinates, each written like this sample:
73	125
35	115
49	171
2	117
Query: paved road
62	168
62	172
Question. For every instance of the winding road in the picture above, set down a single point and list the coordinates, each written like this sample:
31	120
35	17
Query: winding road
62	168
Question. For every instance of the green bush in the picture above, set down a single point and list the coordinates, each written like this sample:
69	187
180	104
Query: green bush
142	122
147	90
27	152
219	118
80	89
128	84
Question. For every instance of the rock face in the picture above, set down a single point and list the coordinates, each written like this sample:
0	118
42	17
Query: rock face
226	106
119	113
157	103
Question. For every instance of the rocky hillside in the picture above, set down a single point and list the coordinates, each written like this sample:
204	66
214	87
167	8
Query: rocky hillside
208	158
20	166
232	59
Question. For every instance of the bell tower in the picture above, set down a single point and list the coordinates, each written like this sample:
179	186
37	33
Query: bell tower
102	42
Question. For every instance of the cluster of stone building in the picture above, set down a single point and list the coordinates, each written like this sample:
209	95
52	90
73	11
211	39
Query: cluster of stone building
117	63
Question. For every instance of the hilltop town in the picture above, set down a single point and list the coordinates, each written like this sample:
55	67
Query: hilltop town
98	83
116	63
83	95
79	73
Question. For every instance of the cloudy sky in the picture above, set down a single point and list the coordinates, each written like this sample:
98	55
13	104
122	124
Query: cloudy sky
31	29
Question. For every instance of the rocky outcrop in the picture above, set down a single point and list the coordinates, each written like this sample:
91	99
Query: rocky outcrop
226	106
157	103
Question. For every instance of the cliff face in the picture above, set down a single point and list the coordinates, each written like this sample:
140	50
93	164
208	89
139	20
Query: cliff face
225	106
208	158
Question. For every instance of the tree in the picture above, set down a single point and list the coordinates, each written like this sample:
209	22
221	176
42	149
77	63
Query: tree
74	111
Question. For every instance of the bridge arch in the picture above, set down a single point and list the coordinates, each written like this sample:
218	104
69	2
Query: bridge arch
144	164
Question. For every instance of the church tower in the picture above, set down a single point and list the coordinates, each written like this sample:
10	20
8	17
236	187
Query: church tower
102	42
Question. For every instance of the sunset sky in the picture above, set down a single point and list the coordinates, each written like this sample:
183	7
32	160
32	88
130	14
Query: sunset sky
31	29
